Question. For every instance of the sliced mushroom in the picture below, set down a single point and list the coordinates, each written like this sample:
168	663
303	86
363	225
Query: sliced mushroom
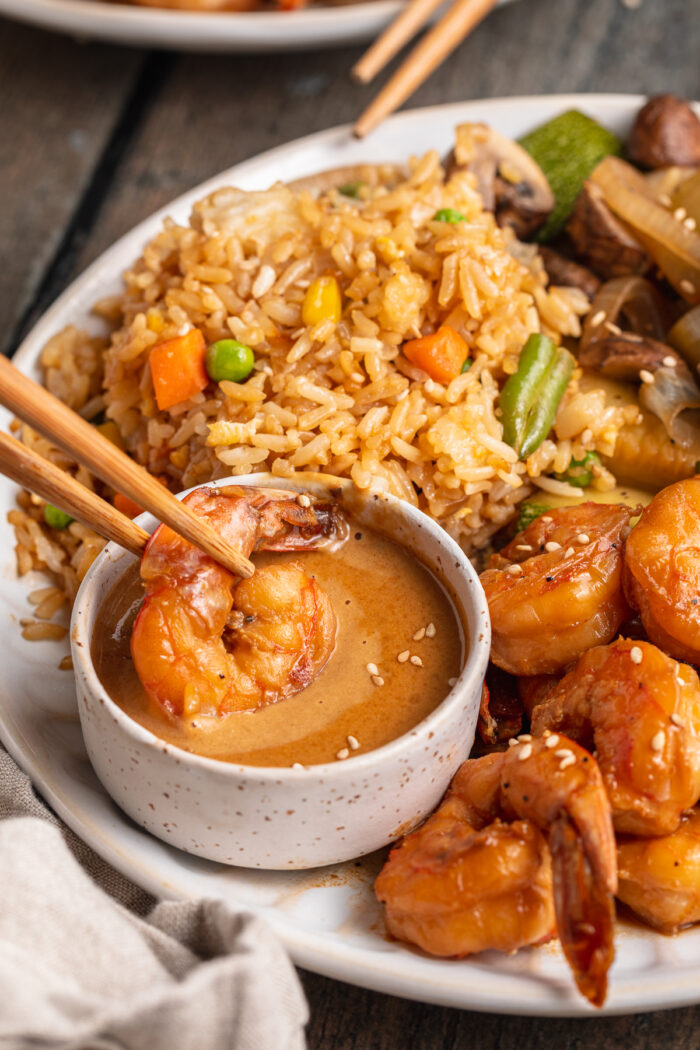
510	182
624	356
602	241
666	132
563	271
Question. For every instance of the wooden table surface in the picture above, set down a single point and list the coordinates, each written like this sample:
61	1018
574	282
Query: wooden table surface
93	138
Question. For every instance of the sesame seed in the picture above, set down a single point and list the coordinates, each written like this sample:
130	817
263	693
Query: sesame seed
430	630
566	762
357	377
513	742
658	741
690	223
403	657
297	765
568	552
677	720
546	518
687	287
523	547
525	752
613	328
343	753
552	546
680	214
372	669
646	376
665	200
451	682
598	318
416	661
353	742
636	654
563	752
419	634
583	537
514	570
669	361
524	738
552	740
377	679
303	500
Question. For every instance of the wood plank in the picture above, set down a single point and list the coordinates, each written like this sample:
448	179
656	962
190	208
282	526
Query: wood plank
60	104
348	1018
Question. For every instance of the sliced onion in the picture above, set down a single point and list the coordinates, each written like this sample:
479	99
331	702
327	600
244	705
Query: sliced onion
674	397
663	182
674	248
634	297
687	196
685	336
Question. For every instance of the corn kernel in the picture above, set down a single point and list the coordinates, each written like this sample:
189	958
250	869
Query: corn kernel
155	322
110	430
322	301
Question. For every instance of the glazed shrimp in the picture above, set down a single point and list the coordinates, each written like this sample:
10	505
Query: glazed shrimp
282	631
640	710
556	589
521	846
662	569
659	878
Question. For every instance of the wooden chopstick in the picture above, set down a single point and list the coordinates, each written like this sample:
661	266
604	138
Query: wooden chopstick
65	428
414	15
39	475
443	38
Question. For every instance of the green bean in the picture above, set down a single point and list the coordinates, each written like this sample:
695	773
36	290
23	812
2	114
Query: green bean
549	394
580	471
530	512
522	388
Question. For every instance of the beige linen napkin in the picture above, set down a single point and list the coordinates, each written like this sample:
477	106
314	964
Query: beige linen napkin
90	962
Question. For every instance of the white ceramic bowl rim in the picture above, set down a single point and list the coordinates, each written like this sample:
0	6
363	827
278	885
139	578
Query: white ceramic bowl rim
477	655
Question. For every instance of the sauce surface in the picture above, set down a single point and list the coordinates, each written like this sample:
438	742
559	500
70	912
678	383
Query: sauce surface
382	597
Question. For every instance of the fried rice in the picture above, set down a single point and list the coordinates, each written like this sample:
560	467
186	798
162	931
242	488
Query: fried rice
337	398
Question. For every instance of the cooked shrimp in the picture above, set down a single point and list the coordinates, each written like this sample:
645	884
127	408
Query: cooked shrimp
556	589
640	710
479	873
659	878
662	569
282	631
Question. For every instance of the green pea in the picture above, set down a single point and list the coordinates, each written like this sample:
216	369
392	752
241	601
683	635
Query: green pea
55	518
350	189
229	359
449	215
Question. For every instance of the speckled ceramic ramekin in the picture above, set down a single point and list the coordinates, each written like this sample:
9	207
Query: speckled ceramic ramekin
285	817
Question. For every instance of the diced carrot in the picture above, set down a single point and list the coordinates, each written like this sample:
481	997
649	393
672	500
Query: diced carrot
177	368
126	505
441	355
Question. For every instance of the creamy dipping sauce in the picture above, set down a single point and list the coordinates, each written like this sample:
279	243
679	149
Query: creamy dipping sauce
382	597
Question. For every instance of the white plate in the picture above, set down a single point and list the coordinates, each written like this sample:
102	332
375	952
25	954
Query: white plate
328	919
255	31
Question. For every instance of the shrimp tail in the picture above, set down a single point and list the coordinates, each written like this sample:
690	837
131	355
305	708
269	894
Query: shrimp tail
584	908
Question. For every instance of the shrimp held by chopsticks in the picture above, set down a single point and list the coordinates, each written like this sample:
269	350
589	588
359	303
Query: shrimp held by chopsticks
203	642
522	845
